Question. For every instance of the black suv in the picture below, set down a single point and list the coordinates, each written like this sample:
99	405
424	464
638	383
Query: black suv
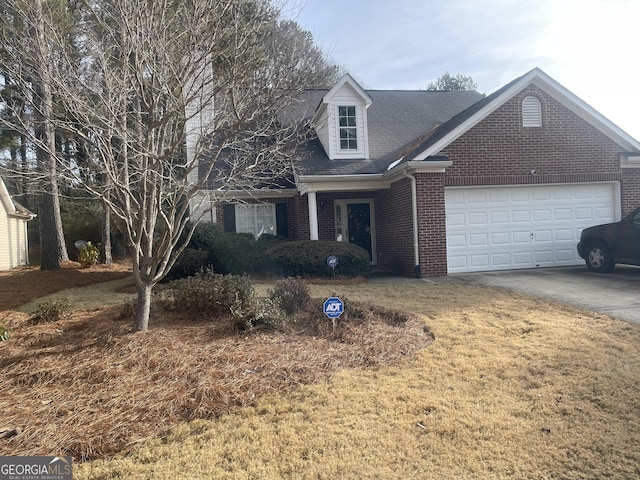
603	246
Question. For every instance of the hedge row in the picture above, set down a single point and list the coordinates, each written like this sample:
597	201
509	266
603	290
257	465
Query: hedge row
211	248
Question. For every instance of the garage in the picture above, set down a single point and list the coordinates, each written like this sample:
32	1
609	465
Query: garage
512	227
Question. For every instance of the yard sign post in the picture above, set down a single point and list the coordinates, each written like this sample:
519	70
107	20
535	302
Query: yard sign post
333	307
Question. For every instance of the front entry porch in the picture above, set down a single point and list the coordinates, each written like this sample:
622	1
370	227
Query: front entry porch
343	218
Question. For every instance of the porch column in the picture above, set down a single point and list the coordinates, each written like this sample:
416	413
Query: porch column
313	215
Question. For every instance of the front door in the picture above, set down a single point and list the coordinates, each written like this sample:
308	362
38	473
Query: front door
354	221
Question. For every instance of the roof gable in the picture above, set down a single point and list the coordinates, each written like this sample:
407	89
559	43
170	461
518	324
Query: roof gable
12	208
464	121
348	97
347	81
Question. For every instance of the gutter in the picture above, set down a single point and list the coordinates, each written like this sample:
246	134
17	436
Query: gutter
414	212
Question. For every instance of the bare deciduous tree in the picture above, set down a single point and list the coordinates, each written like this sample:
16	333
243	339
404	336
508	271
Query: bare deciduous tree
27	55
175	97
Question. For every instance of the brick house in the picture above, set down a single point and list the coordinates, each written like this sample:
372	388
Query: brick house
432	183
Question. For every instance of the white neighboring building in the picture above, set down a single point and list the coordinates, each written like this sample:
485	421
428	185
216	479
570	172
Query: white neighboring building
14	243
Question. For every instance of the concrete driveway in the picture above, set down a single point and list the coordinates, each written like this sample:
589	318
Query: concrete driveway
616	294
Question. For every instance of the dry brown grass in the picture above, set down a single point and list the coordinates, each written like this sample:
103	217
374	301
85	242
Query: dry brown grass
87	387
512	387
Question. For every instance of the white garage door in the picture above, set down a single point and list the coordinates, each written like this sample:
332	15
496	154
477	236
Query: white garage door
501	228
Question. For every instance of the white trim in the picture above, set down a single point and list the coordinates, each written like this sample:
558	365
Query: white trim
343	202
230	195
337	183
556	91
377	181
313	216
347	79
629	161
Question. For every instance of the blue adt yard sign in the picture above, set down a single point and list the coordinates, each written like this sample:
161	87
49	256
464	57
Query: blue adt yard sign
333	307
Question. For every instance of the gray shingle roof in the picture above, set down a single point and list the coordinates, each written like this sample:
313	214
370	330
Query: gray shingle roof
398	121
458	119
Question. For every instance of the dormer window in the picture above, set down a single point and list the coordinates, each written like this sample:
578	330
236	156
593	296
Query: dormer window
340	121
347	127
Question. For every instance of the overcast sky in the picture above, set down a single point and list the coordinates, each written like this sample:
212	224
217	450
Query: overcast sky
591	47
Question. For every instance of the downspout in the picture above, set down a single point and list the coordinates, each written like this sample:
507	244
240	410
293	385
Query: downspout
414	213
26	244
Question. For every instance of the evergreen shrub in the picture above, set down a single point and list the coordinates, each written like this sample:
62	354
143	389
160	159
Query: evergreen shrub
50	310
291	295
308	258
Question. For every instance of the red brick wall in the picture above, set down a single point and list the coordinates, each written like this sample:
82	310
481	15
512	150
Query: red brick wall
630	190
500	151
394	225
301	215
431	224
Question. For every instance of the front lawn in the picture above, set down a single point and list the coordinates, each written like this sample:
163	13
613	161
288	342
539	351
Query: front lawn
511	387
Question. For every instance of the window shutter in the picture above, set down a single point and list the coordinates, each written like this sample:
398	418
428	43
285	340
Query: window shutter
229	218
531	112
281	220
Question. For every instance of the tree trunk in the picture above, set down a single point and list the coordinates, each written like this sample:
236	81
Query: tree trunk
107	258
143	308
54	250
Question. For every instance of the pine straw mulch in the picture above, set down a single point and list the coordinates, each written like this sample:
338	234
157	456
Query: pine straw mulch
20	285
87	387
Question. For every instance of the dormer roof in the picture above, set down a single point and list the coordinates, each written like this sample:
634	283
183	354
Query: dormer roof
396	120
340	120
346	80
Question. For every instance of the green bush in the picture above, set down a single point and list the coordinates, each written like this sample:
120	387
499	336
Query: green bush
308	258
290	294
50	311
4	334
212	294
81	220
204	236
189	263
261	311
228	253
234	253
88	255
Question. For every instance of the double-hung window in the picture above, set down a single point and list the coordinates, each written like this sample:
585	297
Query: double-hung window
347	126
256	219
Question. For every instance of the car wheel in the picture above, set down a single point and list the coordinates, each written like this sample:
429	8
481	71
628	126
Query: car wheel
599	258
